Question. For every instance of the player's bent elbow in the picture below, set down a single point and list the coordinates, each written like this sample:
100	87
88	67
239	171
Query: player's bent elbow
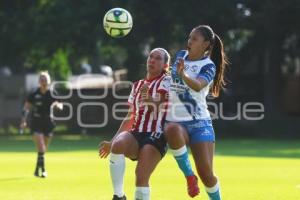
198	88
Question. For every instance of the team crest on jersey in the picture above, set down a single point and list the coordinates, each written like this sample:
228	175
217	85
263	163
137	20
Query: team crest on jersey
194	68
186	67
37	96
177	80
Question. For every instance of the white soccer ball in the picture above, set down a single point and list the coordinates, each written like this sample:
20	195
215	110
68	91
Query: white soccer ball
117	22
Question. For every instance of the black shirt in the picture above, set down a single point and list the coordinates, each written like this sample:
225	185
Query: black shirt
41	103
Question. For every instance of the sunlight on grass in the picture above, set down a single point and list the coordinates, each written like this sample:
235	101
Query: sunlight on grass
80	175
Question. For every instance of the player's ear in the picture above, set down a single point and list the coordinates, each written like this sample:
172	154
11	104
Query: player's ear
206	44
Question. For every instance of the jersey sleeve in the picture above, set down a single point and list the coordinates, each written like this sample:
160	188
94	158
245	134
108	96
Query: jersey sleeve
53	96
164	85
30	98
131	95
207	72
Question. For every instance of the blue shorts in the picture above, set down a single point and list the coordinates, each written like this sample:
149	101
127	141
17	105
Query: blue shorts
199	130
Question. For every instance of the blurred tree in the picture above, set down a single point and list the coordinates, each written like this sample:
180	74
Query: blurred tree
59	34
272	24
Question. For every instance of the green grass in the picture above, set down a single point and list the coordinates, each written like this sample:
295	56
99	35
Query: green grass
248	170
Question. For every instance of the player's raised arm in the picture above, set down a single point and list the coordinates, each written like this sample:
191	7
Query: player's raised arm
195	84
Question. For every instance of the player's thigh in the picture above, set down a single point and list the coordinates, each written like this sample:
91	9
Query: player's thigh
38	138
203	153
149	157
48	139
175	131
126	144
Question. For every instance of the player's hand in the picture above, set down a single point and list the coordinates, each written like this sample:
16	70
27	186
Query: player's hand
104	149
23	124
180	67
59	105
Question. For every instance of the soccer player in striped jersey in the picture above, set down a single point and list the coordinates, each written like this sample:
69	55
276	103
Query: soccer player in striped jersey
140	134
194	73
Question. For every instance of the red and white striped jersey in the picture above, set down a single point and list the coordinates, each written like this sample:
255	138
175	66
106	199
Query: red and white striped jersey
146	118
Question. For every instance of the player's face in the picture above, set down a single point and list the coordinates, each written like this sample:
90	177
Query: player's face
197	44
155	62
43	81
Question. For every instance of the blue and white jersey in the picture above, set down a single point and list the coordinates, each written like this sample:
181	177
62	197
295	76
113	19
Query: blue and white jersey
186	104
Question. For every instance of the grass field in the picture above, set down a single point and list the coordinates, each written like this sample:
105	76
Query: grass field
248	170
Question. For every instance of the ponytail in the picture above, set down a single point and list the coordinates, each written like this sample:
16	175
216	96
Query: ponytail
218	56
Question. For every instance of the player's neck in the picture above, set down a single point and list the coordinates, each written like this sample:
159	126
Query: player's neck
193	57
43	89
150	77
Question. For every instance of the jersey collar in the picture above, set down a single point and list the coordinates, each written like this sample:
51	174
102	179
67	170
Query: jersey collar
152	79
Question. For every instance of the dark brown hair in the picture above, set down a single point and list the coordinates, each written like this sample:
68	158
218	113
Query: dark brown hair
217	55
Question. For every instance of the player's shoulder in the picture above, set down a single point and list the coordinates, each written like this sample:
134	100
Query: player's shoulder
136	84
208	61
34	91
166	77
52	92
203	63
208	64
33	94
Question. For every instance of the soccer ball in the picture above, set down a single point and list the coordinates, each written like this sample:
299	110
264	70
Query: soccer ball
117	22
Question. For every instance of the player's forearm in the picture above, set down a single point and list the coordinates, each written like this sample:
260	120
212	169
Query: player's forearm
126	125
25	114
25	111
196	85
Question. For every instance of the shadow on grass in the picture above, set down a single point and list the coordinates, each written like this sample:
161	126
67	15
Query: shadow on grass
14	179
224	147
60	143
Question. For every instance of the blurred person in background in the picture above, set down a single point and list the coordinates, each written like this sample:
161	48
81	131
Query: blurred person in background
40	103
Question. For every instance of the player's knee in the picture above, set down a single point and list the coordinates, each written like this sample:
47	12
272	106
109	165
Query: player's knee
42	148
172	131
206	174
118	146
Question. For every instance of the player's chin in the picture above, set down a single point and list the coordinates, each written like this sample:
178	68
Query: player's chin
150	68
189	50
153	71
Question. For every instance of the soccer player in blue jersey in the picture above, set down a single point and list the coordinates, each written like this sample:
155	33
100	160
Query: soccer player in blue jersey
195	72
